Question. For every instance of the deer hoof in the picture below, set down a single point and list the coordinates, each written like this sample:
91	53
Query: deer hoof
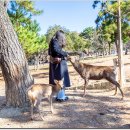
31	118
42	118
53	112
114	94
84	95
122	98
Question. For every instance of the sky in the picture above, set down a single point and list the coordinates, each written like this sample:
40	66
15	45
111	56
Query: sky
74	15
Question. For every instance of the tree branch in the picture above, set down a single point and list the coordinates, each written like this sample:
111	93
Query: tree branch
111	13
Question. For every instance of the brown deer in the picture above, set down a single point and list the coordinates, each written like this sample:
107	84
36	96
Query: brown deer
36	92
91	72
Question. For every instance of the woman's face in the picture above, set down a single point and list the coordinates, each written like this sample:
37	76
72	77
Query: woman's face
62	40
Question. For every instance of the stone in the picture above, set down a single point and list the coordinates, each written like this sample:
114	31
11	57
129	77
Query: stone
112	110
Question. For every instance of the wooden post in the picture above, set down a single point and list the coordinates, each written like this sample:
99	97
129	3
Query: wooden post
120	54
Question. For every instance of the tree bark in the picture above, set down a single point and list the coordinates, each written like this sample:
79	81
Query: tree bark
13	63
120	54
6	4
109	45
116	43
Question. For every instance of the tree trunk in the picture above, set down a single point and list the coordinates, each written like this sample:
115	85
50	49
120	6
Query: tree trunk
116	43
120	54
109	45
116	38
13	63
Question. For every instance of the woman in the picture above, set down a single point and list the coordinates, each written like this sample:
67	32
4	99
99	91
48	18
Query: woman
58	68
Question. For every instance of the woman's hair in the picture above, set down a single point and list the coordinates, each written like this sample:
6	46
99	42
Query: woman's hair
60	36
59	33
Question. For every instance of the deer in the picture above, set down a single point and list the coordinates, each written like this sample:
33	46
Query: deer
36	92
92	72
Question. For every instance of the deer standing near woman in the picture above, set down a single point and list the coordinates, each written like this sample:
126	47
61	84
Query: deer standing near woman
36	92
91	72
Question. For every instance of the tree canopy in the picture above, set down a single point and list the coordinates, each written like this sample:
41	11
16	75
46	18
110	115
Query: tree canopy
96	39
107	20
74	41
20	13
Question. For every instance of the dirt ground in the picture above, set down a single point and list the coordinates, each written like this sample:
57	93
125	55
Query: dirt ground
99	109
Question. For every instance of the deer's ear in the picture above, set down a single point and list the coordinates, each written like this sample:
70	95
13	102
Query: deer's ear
56	81
69	58
76	58
61	81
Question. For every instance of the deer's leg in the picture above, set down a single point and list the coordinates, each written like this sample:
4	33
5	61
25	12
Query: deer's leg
113	81
85	86
39	111
116	79
34	66
115	90
51	103
32	106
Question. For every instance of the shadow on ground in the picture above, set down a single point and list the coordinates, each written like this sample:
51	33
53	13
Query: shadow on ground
92	111
41	75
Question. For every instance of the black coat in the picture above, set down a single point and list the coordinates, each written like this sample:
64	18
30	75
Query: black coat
58	71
